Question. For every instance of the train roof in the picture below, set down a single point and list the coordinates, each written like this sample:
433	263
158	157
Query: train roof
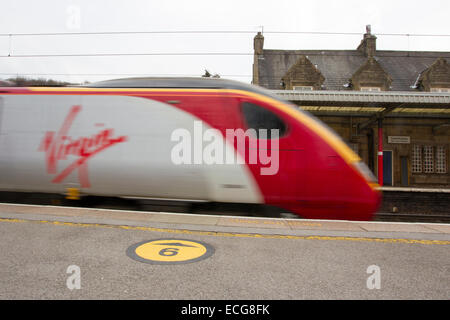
186	83
175	83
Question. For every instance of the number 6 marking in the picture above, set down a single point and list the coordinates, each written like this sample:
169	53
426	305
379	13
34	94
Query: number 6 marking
167	252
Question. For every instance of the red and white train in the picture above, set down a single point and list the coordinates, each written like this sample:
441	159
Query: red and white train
120	137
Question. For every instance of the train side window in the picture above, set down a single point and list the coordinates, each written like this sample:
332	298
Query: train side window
257	117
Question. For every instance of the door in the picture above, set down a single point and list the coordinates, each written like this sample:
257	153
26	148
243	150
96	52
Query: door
387	168
404	171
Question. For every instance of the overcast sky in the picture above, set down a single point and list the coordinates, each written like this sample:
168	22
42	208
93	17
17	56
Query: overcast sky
349	16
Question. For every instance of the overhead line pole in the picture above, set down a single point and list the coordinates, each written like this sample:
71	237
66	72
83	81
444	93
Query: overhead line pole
380	151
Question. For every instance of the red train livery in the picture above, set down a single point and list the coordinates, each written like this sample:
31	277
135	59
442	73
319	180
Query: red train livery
120	138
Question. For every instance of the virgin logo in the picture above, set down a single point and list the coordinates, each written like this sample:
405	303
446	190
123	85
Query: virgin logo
59	145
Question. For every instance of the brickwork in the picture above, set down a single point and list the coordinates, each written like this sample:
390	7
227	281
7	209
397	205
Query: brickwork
303	73
436	76
371	74
415	202
421	132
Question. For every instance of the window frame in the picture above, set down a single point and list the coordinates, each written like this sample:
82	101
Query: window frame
440	90
434	159
416	163
370	89
303	88
445	160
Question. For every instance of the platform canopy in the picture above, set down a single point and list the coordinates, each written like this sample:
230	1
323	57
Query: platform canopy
362	103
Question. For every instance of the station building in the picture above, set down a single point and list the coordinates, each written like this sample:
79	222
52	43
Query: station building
391	107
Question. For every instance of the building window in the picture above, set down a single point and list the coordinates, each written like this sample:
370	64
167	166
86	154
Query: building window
303	88
370	89
429	159
441	160
440	89
417	159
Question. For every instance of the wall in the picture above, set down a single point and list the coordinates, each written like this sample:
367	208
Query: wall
420	132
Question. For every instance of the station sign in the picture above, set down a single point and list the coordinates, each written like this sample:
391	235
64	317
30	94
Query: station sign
399	139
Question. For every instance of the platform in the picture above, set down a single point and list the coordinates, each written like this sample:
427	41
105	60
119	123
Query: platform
248	258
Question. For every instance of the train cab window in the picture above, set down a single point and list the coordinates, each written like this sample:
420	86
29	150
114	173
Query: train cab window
257	117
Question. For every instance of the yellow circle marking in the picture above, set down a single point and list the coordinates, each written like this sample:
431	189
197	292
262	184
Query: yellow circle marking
170	250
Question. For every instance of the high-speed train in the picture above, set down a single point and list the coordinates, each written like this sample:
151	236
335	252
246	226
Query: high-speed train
189	139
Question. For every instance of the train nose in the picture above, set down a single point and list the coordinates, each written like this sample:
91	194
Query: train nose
369	193
370	205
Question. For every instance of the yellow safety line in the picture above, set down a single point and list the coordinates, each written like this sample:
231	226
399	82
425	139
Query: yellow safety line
231	234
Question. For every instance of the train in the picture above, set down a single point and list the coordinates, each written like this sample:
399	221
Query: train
183	139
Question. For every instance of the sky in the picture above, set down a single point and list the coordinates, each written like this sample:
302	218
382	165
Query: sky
176	53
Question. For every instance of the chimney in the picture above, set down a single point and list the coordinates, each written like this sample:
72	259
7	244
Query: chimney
258	43
368	44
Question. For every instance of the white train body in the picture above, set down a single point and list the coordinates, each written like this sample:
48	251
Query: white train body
127	148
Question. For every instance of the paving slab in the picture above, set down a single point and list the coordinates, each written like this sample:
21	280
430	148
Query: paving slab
396	227
184	218
218	223
253	223
442	228
324	225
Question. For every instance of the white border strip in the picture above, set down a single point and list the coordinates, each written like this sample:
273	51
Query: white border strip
233	217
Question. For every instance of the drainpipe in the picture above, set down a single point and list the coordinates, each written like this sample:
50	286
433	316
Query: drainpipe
380	151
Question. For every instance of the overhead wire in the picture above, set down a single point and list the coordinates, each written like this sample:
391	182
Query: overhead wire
215	32
243	54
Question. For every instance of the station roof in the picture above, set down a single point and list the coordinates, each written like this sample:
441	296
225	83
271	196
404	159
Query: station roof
369	103
338	66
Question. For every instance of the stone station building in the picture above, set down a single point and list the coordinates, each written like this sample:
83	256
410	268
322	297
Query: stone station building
391	107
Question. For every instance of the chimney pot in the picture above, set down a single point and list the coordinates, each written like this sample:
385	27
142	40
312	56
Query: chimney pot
368	44
258	43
